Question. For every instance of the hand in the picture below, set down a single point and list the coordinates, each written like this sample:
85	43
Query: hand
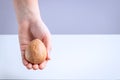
29	30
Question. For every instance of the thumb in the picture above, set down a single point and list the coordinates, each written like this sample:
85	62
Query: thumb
47	43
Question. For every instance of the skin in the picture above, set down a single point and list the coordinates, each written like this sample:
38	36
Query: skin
31	26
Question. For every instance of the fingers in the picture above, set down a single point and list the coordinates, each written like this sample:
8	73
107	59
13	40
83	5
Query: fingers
25	62
29	66
43	65
35	66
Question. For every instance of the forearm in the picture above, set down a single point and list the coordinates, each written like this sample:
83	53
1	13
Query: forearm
26	9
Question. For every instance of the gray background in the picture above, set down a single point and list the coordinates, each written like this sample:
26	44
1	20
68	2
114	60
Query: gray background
69	16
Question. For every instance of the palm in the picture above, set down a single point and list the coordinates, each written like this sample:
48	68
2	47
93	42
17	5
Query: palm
29	32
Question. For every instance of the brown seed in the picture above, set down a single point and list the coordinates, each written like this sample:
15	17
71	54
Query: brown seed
36	53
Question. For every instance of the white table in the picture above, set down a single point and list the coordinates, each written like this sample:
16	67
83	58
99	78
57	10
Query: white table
73	57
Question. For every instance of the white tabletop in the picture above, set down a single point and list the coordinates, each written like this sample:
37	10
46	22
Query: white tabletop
73	57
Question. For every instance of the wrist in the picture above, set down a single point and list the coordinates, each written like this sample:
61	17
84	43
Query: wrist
27	10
